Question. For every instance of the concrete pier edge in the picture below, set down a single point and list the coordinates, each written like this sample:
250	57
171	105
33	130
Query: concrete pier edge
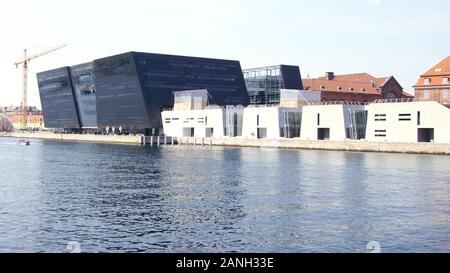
347	145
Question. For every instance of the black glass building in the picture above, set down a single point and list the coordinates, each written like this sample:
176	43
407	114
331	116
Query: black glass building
83	86
264	83
57	99
129	90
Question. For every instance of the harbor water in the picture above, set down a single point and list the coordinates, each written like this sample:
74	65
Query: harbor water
119	198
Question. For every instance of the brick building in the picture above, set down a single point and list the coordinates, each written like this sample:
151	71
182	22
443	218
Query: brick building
360	87
34	121
435	83
35	117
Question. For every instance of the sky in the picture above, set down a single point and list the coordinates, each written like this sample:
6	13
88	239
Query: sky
403	38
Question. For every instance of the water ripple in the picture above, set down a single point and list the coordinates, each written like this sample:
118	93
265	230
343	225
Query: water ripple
114	198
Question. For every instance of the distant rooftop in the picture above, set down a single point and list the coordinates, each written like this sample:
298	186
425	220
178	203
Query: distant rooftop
349	83
442	68
438	75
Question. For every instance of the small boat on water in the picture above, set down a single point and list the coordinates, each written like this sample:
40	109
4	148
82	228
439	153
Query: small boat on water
24	142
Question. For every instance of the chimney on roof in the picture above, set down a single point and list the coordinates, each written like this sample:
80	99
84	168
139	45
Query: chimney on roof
330	76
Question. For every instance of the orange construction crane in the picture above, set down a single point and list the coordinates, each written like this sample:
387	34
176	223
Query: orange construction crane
26	59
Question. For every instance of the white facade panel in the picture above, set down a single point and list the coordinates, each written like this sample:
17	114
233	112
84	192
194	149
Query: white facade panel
194	123
327	122
262	119
408	122
268	122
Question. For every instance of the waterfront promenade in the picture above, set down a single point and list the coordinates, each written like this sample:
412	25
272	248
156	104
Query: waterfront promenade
347	145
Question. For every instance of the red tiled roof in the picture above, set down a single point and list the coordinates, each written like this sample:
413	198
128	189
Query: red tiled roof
436	75
441	69
407	95
357	77
361	83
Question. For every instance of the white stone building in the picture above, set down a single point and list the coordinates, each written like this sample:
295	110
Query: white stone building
194	123
336	122
278	121
191	116
408	122
271	122
383	121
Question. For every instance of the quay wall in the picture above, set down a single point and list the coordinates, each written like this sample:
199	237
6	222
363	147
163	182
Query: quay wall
347	145
78	137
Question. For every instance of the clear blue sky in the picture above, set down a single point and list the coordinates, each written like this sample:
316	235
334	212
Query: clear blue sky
383	37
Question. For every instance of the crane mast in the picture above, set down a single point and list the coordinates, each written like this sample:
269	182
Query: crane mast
25	61
24	105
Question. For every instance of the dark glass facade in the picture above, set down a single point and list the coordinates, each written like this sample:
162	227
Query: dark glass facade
130	90
120	100
264	84
57	99
84	89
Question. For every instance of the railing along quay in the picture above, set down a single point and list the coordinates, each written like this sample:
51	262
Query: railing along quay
164	140
157	140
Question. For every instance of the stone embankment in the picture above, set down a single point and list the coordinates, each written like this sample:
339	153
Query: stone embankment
347	145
